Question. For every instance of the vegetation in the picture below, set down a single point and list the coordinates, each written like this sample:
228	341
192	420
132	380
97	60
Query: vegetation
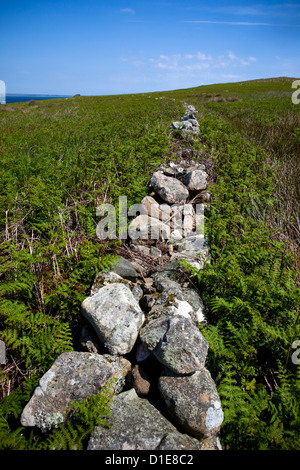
61	158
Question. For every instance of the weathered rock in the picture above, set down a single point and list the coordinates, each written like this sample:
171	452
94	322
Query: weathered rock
190	109
144	227
193	245
172	170
137	293
195	180
125	269
188	117
136	424
193	402
168	286
153	209
73	376
104	279
183	349
194	299
169	189
187	125
172	337
204	196
115	316
155	252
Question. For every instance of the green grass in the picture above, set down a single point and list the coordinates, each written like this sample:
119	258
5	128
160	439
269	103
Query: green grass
61	158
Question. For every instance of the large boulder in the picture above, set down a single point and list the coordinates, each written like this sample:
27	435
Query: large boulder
193	402
115	316
136	424
73	376
171	190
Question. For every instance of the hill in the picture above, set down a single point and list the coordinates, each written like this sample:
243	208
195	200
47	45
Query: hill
61	159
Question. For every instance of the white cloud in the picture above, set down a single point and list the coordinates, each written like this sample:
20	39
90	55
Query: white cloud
198	61
127	10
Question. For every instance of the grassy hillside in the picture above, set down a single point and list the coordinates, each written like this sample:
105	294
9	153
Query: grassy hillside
61	158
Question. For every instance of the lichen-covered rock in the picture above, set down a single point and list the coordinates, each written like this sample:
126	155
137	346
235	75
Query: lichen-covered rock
115	316
73	376
172	337
169	189
194	245
186	292
193	402
104	279
136	424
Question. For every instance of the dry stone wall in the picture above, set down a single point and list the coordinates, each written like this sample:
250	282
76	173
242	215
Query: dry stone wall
144	332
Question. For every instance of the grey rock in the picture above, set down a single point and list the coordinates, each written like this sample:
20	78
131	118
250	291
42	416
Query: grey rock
189	116
193	245
172	337
204	196
187	125
73	376
177	125
115	316
193	402
125	269
137	292
155	252
190	109
194	299
169	189
195	180
136	424
104	279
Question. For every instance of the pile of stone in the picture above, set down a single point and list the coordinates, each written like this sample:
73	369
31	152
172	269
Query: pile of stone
144	333
188	123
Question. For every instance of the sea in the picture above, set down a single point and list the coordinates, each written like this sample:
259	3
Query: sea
11	98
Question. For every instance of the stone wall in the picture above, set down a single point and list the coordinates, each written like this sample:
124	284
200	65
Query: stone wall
144	331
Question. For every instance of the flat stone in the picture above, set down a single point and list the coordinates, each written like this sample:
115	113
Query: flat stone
73	376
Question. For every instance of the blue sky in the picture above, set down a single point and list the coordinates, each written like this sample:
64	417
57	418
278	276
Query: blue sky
96	47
